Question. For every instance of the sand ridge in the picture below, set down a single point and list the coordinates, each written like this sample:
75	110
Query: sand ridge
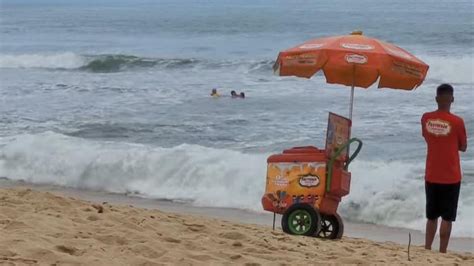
41	228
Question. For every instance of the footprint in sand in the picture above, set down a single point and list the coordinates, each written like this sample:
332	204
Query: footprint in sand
235	257
99	208
93	218
69	250
171	240
351	261
237	244
233	235
195	227
252	264
201	257
23	193
17	261
349	249
15	225
112	239
147	251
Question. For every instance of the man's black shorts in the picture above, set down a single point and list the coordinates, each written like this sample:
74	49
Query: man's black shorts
442	200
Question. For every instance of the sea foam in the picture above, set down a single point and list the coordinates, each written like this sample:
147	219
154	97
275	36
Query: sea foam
387	193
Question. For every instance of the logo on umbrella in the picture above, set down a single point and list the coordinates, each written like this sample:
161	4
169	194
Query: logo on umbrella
312	46
357	46
356	58
406	69
302	59
399	53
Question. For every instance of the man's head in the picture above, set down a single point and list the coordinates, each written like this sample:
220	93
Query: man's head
233	93
444	96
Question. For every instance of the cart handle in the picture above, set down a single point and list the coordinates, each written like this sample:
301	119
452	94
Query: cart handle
338	152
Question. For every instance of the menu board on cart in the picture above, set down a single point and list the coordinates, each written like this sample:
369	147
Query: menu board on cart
338	133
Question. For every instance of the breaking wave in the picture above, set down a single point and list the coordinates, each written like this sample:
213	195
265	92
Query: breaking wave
117	63
455	69
51	61
120	62
387	193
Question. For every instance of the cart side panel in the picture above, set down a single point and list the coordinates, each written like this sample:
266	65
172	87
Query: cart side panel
288	183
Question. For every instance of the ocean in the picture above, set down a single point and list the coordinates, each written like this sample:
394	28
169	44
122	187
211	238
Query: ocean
114	96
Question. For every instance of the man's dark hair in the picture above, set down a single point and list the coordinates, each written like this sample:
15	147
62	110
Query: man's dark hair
444	89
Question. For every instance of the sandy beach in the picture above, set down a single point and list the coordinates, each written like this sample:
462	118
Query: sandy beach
115	150
45	228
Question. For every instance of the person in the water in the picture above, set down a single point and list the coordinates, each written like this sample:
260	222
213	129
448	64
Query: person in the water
234	94
214	93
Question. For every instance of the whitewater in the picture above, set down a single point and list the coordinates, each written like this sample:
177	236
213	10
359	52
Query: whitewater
115	98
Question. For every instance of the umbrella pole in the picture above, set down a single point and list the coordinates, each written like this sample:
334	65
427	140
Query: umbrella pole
352	91
352	102
351	107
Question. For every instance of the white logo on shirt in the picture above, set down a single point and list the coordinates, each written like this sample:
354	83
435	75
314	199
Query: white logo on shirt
438	127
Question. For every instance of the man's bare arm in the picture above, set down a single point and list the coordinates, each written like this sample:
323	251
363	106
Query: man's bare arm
462	137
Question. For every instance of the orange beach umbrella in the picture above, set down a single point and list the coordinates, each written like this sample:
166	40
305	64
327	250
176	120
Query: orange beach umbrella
353	60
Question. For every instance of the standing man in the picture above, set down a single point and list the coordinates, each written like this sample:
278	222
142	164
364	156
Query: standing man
445	136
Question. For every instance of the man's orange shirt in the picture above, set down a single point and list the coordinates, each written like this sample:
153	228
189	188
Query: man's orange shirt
444	134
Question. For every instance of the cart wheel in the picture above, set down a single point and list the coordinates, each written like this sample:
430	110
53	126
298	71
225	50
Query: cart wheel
301	219
331	227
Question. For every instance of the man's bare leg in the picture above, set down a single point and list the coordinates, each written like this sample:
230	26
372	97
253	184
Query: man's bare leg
444	234
431	226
